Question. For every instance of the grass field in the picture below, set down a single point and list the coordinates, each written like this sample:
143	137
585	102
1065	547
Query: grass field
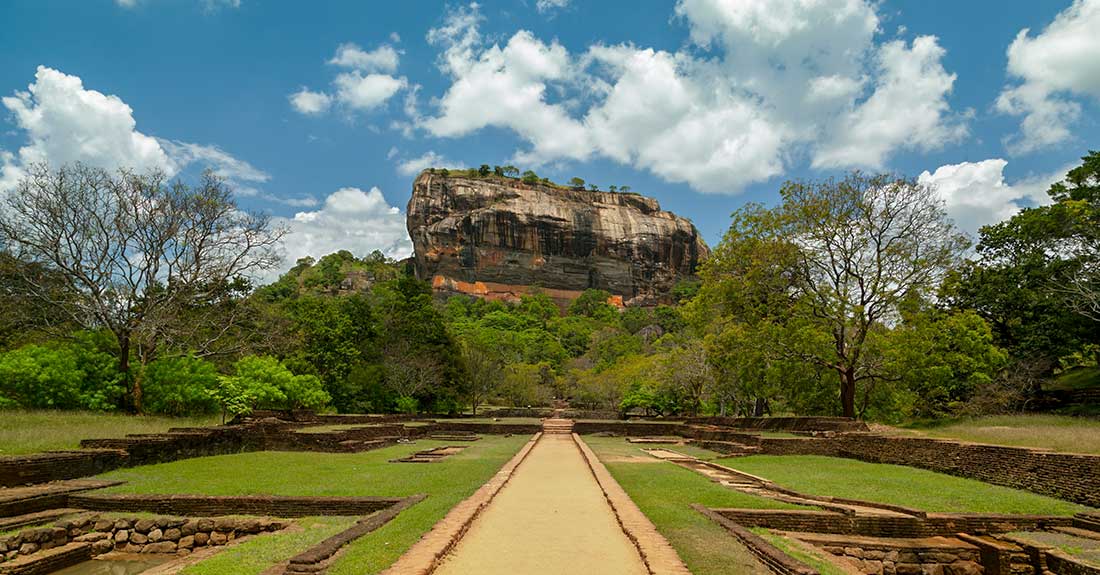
895	484
357	474
664	492
1057	432
24	431
260	553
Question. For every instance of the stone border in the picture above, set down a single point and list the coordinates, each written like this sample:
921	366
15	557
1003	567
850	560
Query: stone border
656	552
771	556
213	506
424	556
318	558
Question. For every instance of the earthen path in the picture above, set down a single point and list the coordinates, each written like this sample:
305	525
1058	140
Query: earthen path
551	517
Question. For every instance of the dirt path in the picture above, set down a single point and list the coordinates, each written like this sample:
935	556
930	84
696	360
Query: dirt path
551	517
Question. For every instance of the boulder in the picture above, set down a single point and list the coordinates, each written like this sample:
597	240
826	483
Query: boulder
497	237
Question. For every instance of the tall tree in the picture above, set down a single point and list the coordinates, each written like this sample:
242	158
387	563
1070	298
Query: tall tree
484	372
150	260
844	253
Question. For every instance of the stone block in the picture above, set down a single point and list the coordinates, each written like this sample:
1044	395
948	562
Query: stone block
122	536
201	538
138	539
162	547
28	548
186	542
217	538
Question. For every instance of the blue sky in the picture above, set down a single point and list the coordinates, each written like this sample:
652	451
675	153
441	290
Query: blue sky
319	112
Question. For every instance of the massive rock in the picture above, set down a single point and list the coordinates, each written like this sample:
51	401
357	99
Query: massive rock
498	238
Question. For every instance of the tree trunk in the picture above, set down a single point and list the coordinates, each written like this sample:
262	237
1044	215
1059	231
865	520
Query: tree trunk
848	392
758	409
134	400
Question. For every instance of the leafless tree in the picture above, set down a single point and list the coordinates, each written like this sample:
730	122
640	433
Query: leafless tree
156	262
408	372
688	369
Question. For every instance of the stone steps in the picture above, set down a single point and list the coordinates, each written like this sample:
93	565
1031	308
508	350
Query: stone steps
557	426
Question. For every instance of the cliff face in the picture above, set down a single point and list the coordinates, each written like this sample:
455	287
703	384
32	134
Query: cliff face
497	238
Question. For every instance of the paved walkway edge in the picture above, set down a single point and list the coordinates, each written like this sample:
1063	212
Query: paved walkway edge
657	554
424	556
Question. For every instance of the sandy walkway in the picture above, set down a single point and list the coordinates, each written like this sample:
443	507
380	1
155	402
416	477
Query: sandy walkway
551	517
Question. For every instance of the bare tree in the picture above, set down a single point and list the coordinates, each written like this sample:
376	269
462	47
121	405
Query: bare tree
151	260
688	369
408	372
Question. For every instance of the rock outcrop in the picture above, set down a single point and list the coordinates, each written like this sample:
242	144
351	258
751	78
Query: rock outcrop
498	238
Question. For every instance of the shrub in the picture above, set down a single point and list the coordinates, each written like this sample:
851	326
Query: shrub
262	382
69	375
180	386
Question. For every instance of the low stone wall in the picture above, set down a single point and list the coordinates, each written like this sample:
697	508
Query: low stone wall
816	521
924	556
770	555
1065	476
783	423
201	505
133	535
485	428
628	428
55	465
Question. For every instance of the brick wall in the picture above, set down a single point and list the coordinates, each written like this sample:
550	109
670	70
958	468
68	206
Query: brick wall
815	521
630	428
1065	476
783	423
43	467
211	506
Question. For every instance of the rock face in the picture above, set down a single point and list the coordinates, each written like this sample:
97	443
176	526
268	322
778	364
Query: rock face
498	238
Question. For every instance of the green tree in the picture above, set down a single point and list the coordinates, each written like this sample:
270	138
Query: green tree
484	170
485	371
576	183
593	303
180	386
530	177
844	254
162	274
61	375
510	171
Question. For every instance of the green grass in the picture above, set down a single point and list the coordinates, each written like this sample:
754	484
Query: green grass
489	419
1076	378
260	553
1057	432
338	474
664	492
895	484
790	548
27	431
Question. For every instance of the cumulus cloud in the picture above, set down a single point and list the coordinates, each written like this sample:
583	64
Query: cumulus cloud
382	59
359	92
514	80
367	82
350	219
911	78
430	159
977	195
763	83
310	103
1053	67
65	122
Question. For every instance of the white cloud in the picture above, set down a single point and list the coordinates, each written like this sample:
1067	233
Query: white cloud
765	82
977	195
382	59
505	87
1052	67
360	92
310	103
367	85
545	6
350	219
65	123
428	160
911	81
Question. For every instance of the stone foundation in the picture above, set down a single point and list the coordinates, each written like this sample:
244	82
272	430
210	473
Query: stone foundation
924	556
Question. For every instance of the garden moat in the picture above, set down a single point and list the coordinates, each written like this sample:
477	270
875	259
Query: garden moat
295	492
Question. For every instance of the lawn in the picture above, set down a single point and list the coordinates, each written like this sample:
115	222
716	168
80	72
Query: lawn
260	553
332	474
23	431
1057	432
665	491
895	484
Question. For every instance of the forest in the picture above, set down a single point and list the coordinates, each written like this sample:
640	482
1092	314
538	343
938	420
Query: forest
852	296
